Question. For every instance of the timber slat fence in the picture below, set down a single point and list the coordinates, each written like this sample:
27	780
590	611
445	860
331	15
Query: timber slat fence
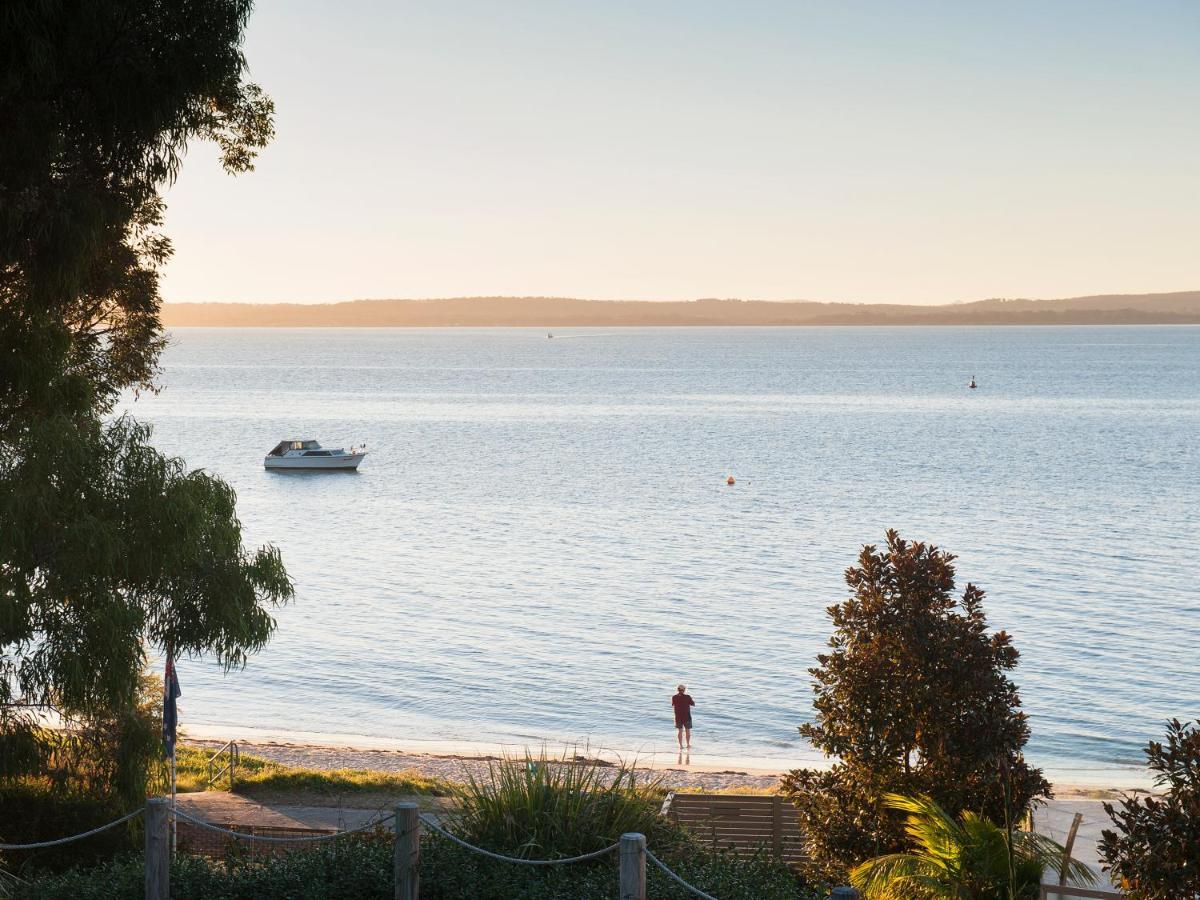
742	823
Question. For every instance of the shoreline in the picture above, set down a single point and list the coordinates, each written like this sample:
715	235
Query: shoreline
452	760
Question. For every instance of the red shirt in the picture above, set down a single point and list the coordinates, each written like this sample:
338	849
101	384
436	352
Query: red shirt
682	704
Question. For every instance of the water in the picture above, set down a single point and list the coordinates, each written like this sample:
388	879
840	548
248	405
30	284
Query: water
542	544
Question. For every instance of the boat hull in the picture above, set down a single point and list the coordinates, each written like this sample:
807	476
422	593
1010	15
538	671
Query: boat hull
349	461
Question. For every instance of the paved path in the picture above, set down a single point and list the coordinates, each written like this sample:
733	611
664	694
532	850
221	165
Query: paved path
1054	821
224	808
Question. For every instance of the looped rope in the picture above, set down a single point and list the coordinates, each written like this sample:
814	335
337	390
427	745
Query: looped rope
428	820
695	890
74	837
281	840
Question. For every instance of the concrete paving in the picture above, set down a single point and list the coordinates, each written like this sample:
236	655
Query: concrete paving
223	808
1054	821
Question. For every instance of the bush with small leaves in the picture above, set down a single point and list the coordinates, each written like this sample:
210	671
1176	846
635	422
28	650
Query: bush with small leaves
361	869
1154	853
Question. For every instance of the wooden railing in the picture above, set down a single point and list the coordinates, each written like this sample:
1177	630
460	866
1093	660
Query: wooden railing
230	748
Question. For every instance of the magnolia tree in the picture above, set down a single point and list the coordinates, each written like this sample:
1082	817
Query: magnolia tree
912	698
1154	851
107	548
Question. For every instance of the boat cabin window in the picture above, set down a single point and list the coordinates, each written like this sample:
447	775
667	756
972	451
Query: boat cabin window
316	452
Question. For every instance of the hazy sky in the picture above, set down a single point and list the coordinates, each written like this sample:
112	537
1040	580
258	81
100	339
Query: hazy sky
875	151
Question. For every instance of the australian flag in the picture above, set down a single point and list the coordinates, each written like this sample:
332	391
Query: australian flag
170	711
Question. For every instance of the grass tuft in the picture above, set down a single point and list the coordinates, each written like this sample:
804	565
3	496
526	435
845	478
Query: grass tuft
548	808
258	777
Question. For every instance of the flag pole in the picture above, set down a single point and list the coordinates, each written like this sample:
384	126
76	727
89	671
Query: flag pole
170	724
173	819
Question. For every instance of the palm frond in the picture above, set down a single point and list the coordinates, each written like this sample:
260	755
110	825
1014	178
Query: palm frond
929	826
954	859
1039	848
895	876
928	886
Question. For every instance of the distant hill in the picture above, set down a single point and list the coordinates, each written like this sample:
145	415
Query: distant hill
563	312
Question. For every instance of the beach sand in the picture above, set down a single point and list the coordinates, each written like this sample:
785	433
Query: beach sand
454	761
452	765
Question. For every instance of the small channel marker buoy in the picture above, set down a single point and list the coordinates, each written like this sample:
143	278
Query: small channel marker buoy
731	480
972	384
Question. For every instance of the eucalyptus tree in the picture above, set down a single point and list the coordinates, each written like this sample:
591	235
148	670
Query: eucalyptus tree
108	549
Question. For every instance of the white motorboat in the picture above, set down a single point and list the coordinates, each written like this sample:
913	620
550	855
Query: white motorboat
311	455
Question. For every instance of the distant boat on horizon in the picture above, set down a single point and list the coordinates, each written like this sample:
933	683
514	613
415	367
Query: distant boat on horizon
308	454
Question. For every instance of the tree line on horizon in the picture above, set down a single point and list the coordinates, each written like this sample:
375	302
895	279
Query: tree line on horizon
564	312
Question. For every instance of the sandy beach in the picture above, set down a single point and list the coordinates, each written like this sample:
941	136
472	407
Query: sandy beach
455	761
457	766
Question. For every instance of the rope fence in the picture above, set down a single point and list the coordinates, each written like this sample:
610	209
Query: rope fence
75	837
432	823
691	887
406	856
633	875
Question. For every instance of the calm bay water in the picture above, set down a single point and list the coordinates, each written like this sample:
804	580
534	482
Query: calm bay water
541	543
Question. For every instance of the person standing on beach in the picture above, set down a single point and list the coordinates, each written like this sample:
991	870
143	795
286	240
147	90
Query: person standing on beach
683	704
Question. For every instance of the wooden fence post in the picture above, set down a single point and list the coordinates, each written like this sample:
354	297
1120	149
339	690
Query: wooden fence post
633	866
1068	847
158	849
407	854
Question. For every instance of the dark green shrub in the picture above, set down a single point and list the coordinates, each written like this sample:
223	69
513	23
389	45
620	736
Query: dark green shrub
1155	850
543	808
361	869
358	870
913	697
451	873
32	813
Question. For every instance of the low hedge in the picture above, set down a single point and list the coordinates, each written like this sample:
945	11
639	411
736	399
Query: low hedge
31	812
361	869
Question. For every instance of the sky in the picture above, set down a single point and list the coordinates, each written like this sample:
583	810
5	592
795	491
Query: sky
916	152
